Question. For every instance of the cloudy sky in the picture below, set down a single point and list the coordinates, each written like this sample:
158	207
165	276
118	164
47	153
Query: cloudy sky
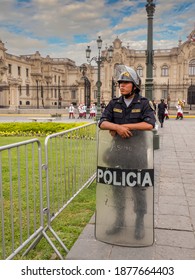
64	28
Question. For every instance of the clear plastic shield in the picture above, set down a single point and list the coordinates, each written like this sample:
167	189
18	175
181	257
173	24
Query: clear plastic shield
124	195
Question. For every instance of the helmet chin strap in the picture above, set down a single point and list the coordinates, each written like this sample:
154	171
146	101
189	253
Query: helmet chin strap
129	94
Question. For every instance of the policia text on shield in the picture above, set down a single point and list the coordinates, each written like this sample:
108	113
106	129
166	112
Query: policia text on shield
124	211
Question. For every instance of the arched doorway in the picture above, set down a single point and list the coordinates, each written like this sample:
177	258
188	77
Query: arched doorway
191	96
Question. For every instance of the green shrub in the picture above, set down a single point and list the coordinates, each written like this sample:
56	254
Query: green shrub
34	129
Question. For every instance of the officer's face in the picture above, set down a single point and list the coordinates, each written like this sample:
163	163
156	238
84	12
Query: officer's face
125	87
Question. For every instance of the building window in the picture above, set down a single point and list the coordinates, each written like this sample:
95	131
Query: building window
27	102
27	90
192	67
164	93
41	91
27	72
9	68
20	90
164	71
73	94
19	71
140	71
95	94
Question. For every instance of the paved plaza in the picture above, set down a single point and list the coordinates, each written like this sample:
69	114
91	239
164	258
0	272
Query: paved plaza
174	165
6	118
174	188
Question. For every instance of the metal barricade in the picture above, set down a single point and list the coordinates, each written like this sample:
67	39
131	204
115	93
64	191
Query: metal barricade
20	196
70	165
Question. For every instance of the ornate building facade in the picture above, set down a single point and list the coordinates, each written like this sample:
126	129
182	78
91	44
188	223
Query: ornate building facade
32	81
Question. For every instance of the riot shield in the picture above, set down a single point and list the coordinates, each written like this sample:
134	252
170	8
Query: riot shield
124	193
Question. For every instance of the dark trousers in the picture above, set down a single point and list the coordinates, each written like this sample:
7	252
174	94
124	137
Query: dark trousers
139	200
161	117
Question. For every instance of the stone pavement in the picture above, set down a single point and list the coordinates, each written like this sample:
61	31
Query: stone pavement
174	208
6	118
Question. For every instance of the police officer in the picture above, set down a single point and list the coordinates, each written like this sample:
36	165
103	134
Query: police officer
130	111
122	117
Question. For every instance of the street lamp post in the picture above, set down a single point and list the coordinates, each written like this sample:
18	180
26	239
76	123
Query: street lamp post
99	59
87	86
150	8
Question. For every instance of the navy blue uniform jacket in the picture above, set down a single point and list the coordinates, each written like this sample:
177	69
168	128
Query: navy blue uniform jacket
139	110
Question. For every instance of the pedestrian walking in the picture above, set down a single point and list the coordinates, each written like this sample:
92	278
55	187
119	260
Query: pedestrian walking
161	111
71	110
92	112
84	111
80	111
179	112
103	106
154	105
166	113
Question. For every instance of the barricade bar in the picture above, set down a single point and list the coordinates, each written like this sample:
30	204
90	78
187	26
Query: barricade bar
20	196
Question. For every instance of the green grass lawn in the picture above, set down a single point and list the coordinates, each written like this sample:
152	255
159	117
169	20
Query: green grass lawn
69	223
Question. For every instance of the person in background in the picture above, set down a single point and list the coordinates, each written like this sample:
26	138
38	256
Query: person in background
84	111
154	104
161	111
103	106
166	113
179	107
71	111
80	111
92	112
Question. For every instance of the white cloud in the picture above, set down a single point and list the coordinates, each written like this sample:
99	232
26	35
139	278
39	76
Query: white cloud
34	25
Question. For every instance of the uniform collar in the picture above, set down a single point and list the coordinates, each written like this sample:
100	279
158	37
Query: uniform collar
136	99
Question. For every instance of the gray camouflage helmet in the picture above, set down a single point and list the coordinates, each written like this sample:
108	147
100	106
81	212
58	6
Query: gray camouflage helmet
128	74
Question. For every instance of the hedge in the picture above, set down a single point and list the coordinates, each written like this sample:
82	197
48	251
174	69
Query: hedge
34	129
